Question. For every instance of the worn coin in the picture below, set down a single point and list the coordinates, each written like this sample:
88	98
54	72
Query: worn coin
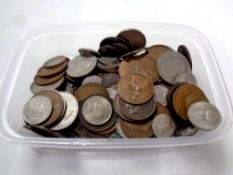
81	66
71	112
55	61
204	115
37	110
184	51
160	94
92	79
156	50
48	80
187	131
170	64
163	126
183	77
85	52
135	88
96	110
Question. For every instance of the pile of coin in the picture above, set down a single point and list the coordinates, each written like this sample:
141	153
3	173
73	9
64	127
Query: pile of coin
123	90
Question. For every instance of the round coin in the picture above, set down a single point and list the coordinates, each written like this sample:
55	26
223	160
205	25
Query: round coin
184	51
156	50
55	61
110	80
92	79
133	54
37	110
191	79
108	60
160	94
170	64
89	52
48	80
135	88
194	97
204	115
96	110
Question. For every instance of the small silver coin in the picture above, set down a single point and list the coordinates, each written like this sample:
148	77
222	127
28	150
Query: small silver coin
81	66
170	64
188	131
204	115
37	110
183	77
71	112
160	94
96	110
92	79
108	60
37	88
112	91
163	126
55	61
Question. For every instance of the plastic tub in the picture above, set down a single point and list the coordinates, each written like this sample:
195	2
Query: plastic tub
43	42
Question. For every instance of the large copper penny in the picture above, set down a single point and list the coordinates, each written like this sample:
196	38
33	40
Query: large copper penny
48	80
179	99
156	50
135	89
143	65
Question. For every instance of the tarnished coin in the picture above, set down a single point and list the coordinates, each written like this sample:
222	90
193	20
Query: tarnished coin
37	110
48	72
191	79
142	65
194	97
133	54
188	131
109	51
184	51
156	50
137	112
135	89
134	37
110	80
204	115
96	110
37	88
170	64
112	40
163	126
90	89
55	61
92	79
71	112
160	94
48	80
81	66
85	52
58	104
108	60
160	109
137	130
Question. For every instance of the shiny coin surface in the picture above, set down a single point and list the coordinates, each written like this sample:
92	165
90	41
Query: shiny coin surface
112	92
96	110
160	94
81	66
48	80
188	131
156	50
71	112
204	115
170	64
191	79
163	126
184	51
55	61
135	89
134	53
37	110
85	52
92	79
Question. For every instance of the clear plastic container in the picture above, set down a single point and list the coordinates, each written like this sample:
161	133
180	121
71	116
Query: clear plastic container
43	42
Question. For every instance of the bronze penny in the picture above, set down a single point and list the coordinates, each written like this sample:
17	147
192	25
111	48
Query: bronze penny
179	96
155	51
112	40
135	88
143	65
160	109
134	37
59	107
108	131
184	51
89	52
110	80
137	112
137	130
47	72
194	97
109	51
48	80
122	48
90	89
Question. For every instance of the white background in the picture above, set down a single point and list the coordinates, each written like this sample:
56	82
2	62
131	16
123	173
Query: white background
213	18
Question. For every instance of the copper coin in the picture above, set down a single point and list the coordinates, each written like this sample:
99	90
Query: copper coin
143	65
58	104
112	40
48	80
85	133
137	112
47	72
156	50
134	37
109	51
108	131
184	50
89	52
179	96
55	61
137	130
110	80
194	97
160	109
133	53
122	48
90	89
135	88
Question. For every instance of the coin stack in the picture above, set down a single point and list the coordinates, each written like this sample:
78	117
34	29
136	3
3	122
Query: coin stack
123	90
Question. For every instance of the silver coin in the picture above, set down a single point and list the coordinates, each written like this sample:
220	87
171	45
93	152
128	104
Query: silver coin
37	110
120	130
81	66
112	92
163	126
37	88
160	94
55	61
183	77
110	80
92	79
170	64
188	131
71	112
204	115
108	60
96	110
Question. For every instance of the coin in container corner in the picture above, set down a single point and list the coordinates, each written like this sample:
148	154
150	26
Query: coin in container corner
184	50
156	50
48	80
